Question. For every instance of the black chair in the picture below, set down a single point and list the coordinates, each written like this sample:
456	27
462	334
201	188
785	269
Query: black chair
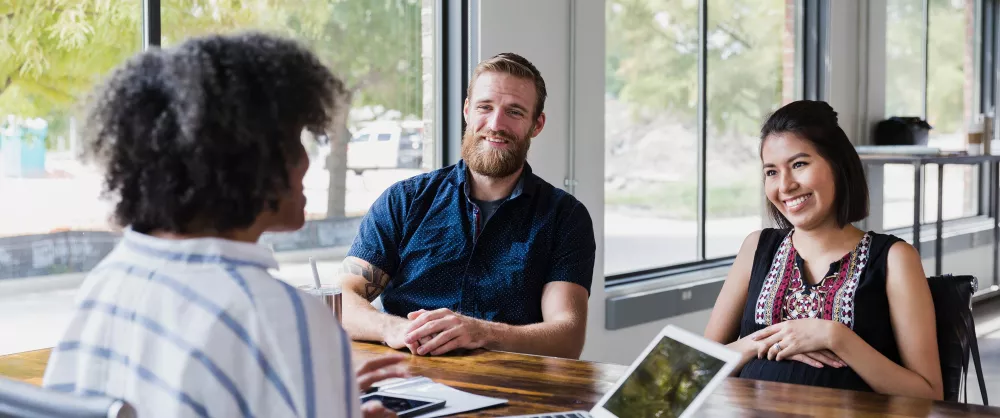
23	400
956	333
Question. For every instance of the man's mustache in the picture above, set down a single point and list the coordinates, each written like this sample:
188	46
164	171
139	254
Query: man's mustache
498	134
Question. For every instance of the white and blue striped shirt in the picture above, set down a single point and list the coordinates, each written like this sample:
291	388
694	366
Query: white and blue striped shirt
199	328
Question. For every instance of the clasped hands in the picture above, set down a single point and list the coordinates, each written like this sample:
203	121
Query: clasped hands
437	332
808	341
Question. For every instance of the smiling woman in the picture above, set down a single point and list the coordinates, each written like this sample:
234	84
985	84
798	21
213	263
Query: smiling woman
818	301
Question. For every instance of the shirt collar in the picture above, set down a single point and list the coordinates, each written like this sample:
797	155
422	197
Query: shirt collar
525	183
201	250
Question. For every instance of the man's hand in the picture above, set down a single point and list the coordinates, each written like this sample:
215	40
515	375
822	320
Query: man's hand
441	331
380	368
395	337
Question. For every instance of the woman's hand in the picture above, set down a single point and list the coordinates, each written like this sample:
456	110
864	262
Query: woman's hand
819	358
380	368
750	346
800	336
374	409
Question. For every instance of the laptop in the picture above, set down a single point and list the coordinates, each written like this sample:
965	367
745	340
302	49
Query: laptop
670	379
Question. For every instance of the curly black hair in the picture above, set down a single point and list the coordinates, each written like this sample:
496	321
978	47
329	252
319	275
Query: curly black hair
199	137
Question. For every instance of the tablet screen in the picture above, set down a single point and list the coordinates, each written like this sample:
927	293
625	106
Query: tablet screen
665	383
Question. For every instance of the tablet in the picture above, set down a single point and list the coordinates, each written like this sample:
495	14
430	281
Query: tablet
670	379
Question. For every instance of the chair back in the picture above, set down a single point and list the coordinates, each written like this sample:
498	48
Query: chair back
24	400
956	332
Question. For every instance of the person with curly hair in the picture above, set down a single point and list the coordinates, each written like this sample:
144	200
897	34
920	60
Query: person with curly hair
201	153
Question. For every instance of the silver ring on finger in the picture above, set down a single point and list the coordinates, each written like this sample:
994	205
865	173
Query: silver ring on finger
776	345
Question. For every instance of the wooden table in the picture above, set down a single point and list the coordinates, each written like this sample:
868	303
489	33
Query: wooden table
535	384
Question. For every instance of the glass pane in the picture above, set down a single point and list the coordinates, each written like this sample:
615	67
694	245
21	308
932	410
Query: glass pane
960	198
951	100
897	194
951	78
904	62
960	190
52	221
384	52
746	81
650	134
951	103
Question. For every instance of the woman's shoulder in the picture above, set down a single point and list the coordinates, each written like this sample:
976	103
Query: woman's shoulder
888	244
890	253
759	246
769	238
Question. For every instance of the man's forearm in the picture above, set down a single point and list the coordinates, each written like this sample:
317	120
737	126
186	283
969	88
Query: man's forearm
555	338
365	323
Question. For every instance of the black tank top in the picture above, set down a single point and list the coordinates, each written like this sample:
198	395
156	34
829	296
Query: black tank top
852	292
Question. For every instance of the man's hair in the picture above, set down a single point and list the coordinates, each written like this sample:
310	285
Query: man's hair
200	137
517	66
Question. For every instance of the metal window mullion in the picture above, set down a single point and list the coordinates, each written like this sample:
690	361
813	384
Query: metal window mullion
822	33
986	79
926	54
987	50
150	24
454	25
809	52
570	181
702	124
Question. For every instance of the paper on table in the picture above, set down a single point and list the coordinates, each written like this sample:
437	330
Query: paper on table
456	401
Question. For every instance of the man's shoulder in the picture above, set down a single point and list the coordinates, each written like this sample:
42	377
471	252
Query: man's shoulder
420	183
554	197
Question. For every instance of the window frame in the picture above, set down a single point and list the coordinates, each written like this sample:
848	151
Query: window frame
452	56
985	97
812	51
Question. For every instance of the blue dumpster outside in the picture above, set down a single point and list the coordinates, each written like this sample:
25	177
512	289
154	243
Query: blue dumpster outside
22	147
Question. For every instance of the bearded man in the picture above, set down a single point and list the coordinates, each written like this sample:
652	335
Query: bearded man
481	254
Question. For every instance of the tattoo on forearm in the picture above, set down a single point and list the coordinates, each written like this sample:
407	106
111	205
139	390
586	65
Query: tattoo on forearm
375	279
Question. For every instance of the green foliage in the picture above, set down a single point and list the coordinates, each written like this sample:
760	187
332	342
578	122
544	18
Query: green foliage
652	70
55	50
948	46
374	45
653	58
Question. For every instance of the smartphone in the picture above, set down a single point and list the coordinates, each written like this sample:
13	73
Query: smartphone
405	405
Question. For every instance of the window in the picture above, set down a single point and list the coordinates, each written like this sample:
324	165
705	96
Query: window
51	57
747	79
51	220
653	122
904	74
946	98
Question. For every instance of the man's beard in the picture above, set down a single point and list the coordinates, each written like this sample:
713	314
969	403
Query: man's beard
491	161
